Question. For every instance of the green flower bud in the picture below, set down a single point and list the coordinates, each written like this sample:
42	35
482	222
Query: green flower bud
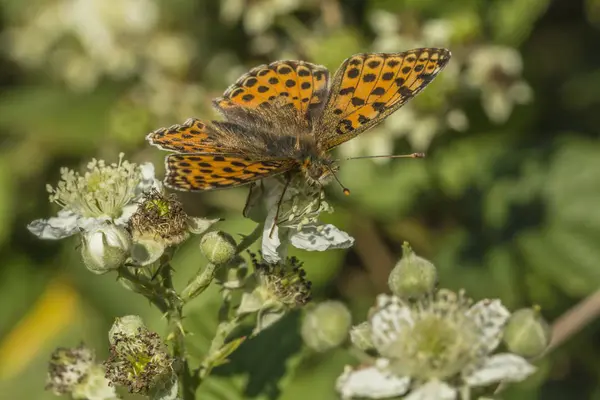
105	248
413	276
326	326
527	333
360	336
218	247
233	275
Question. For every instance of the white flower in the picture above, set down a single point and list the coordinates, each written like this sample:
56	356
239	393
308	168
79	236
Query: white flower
294	219
496	71
103	193
74	371
434	348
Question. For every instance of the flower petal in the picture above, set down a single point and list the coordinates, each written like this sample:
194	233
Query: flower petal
327	237
433	390
270	239
370	382
389	317
500	367
490	316
147	179
65	224
198	226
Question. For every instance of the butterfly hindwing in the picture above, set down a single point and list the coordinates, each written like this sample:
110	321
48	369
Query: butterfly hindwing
196	172
369	87
297	83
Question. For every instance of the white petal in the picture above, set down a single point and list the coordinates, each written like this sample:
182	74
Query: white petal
433	390
500	367
328	237
148	181
370	382
490	316
270	239
64	225
126	213
389	318
200	225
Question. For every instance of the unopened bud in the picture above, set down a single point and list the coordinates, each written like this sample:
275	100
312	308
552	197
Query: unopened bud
326	326
527	333
218	247
105	248
413	276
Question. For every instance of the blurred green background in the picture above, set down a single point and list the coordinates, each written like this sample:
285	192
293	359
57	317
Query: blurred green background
507	203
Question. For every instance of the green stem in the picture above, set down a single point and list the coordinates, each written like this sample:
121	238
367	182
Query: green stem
153	291
187	385
247	241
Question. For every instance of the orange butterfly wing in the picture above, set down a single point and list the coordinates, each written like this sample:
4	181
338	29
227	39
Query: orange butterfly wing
297	83
196	172
193	136
369	87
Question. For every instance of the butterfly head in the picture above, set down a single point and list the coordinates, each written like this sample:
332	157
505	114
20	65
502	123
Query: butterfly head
319	170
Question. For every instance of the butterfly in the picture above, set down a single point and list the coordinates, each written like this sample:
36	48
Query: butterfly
286	117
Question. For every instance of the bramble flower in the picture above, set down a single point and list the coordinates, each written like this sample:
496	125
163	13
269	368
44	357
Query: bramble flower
139	360
274	289
160	222
434	348
297	217
74	371
103	193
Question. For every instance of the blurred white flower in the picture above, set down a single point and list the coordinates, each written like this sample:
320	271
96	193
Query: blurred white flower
258	16
103	193
116	38
436	32
74	371
496	72
296	221
434	348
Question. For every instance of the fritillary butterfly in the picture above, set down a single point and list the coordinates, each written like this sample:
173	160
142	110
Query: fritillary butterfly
285	116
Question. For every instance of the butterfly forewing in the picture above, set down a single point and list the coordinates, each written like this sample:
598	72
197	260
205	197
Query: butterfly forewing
300	84
195	172
369	87
193	136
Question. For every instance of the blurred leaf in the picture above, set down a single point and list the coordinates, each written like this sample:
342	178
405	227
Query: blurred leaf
513	20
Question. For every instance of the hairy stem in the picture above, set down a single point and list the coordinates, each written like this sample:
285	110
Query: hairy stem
199	284
247	241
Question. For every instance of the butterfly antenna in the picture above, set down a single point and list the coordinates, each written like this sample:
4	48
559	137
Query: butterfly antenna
345	190
413	155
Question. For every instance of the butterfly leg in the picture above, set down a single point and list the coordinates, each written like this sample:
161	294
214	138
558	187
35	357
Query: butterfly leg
249	199
288	179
